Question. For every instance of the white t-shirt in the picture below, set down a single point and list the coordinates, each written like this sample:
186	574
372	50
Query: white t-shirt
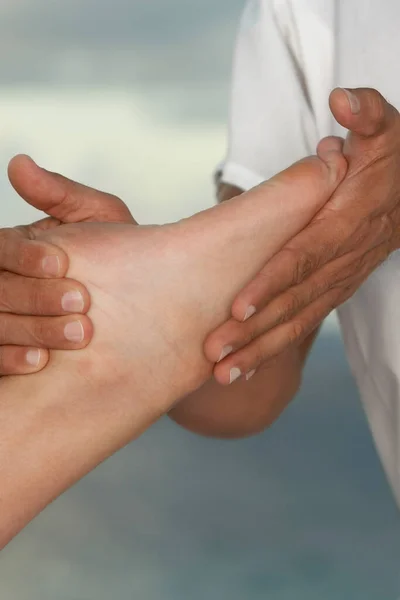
289	56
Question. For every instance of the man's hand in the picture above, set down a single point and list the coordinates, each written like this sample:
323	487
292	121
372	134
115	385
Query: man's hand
327	262
39	309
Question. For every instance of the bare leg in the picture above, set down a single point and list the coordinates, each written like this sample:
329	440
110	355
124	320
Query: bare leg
157	292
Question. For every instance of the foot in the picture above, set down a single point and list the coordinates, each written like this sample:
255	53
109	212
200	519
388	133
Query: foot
158	291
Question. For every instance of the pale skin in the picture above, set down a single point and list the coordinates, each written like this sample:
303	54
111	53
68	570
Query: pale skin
145	284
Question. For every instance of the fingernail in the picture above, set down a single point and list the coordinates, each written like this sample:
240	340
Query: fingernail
33	358
74	332
226	350
234	374
250	312
251	374
354	102
51	265
73	302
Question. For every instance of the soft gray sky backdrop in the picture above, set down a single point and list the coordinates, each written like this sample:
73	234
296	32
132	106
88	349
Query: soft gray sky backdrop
125	95
162	44
131	96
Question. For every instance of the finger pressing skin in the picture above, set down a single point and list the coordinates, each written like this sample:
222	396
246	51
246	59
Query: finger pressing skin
270	345
363	111
322	242
31	258
330	151
328	145
233	337
42	297
292	265
337	274
16	360
58	333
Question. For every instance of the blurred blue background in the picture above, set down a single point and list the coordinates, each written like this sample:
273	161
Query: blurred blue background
131	96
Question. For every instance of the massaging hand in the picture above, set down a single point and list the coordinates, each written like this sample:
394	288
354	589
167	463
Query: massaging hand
39	309
326	263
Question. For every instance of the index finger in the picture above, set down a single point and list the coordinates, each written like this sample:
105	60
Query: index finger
31	258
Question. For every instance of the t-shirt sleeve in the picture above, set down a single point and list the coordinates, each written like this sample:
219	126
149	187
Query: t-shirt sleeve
271	120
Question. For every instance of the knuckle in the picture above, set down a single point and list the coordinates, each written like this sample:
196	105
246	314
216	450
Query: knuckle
301	263
289	305
3	361
4	327
386	227
296	332
69	201
377	106
337	165
17	296
112	210
5	286
305	266
36	297
40	331
25	256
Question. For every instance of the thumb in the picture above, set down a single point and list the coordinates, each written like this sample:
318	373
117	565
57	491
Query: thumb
365	112
62	198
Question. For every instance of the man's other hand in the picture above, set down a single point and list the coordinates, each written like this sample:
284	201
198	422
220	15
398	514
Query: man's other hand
328	261
39	308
